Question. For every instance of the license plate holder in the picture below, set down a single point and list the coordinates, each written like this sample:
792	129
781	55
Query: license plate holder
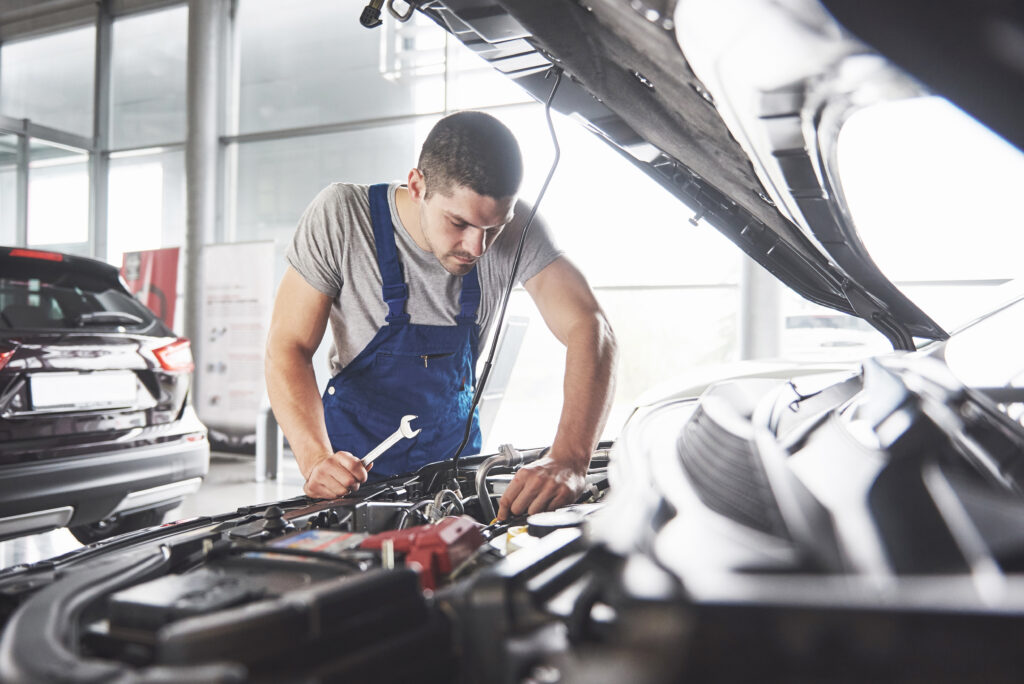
83	391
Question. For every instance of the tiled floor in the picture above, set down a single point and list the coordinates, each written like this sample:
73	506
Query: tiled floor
230	483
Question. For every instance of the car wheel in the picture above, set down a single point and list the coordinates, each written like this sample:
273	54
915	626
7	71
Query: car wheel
104	529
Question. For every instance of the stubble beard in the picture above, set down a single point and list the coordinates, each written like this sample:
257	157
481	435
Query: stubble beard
454	266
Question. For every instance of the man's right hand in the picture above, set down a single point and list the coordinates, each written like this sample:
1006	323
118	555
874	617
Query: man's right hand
335	475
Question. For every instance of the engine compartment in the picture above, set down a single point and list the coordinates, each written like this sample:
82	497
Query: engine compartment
853	526
301	589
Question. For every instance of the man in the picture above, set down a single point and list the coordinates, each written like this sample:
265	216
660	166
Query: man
408	277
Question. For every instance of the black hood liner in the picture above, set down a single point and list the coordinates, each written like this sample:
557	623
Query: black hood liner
633	86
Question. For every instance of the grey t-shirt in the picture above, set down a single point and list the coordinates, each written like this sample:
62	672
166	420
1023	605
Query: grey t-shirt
334	251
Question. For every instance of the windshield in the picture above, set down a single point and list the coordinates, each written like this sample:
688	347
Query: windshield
42	297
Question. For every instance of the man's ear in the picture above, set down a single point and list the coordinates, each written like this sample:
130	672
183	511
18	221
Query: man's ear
417	185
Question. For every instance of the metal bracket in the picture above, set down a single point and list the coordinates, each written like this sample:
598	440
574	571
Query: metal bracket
410	8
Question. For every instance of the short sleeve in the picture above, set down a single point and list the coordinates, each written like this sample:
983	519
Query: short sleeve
316	248
539	249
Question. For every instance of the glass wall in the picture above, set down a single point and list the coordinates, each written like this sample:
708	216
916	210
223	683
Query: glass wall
148	62
619	226
662	333
936	199
146	202
58	198
816	333
276	179
320	66
50	80
9	158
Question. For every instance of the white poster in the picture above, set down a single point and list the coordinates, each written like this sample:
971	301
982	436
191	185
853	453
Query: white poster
238	295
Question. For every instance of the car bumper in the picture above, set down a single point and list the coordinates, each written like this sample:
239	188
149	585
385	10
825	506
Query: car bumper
37	495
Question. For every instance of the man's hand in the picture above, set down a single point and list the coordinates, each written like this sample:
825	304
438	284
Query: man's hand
335	475
543	485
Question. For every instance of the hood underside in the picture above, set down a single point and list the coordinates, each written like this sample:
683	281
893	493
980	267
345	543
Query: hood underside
669	85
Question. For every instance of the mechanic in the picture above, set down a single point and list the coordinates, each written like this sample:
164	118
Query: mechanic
408	276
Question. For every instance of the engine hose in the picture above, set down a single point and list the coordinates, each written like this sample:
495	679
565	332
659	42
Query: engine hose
507	456
412	510
439	511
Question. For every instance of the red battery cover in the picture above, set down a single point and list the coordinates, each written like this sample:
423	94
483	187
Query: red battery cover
433	550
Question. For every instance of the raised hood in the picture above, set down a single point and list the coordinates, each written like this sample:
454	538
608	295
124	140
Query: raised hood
734	106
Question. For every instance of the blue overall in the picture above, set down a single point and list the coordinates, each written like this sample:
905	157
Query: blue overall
423	370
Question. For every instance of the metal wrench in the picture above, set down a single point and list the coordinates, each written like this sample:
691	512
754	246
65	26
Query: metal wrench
404	431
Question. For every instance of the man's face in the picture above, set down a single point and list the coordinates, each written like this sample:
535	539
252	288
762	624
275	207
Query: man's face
459	226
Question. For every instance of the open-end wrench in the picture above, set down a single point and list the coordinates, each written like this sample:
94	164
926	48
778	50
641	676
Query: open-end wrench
404	431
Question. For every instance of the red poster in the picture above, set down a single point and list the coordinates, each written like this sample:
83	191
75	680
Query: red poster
152	276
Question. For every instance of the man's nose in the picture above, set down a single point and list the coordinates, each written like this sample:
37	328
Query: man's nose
473	240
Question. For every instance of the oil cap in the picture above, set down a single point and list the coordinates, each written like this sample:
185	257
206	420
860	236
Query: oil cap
542	524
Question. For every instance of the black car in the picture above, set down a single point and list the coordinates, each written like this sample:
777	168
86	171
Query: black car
97	432
838	522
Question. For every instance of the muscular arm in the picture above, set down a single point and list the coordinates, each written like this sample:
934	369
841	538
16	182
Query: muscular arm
572	313
296	328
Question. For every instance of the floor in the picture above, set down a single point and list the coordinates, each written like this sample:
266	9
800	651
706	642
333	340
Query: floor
230	483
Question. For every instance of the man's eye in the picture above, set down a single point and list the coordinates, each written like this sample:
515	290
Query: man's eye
458	224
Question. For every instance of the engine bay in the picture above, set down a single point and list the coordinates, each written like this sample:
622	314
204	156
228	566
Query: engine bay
297	590
849	526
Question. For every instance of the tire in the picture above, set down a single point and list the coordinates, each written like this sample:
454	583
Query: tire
104	529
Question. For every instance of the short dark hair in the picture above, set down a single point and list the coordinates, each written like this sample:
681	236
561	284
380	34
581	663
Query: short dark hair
475	150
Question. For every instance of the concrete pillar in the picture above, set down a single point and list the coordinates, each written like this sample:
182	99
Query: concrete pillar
99	158
22	191
206	23
760	314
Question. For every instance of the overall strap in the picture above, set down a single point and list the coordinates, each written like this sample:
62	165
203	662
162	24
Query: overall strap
394	290
469	299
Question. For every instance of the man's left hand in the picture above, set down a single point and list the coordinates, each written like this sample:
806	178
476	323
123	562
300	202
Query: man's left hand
543	485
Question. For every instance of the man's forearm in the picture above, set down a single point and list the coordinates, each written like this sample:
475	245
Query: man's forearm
587	390
291	386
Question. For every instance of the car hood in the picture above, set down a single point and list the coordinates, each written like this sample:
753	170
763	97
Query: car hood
734	106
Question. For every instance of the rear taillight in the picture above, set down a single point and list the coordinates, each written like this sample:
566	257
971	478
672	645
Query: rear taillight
5	356
176	356
36	254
